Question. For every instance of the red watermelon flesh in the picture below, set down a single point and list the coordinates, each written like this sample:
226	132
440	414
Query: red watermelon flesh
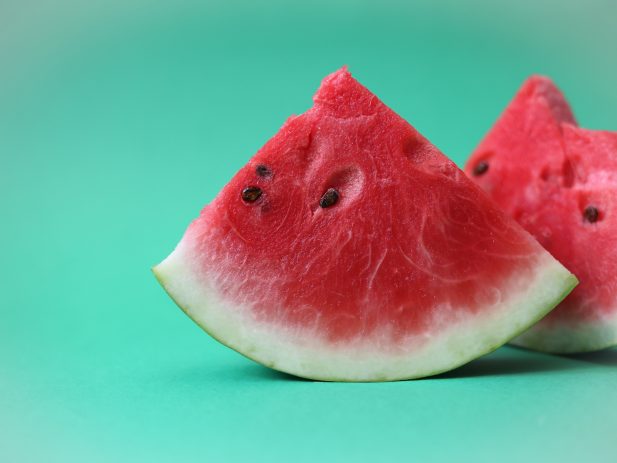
350	248
560	183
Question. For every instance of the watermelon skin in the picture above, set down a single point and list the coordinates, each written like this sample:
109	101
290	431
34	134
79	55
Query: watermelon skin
545	171
414	271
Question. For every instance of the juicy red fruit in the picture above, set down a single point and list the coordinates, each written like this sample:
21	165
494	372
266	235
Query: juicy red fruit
349	248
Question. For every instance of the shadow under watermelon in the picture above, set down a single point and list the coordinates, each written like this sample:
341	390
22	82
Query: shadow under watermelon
510	360
607	357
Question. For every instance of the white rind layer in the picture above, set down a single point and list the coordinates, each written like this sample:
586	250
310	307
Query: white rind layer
557	337
303	353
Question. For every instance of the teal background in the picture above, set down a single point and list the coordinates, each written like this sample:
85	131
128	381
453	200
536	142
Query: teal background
120	119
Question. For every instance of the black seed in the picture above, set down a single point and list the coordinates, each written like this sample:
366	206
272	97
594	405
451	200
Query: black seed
329	198
263	171
251	194
480	168
591	214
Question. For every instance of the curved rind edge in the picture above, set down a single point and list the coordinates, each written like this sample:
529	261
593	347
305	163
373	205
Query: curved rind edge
555	337
465	342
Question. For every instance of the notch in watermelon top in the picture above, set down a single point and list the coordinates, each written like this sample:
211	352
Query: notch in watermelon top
559	181
366	256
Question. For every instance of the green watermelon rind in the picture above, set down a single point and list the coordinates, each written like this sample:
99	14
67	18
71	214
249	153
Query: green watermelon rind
558	337
286	352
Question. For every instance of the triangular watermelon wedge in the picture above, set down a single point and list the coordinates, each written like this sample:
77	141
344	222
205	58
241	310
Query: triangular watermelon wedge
349	248
560	183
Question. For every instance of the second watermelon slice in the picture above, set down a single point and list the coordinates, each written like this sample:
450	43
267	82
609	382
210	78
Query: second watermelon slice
559	181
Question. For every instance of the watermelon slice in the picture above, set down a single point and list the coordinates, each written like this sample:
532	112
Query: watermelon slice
349	248
560	183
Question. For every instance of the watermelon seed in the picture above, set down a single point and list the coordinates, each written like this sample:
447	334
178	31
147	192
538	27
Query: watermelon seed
329	198
480	168
591	214
263	171
251	194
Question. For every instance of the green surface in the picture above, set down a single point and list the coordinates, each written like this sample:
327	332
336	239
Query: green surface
119	120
